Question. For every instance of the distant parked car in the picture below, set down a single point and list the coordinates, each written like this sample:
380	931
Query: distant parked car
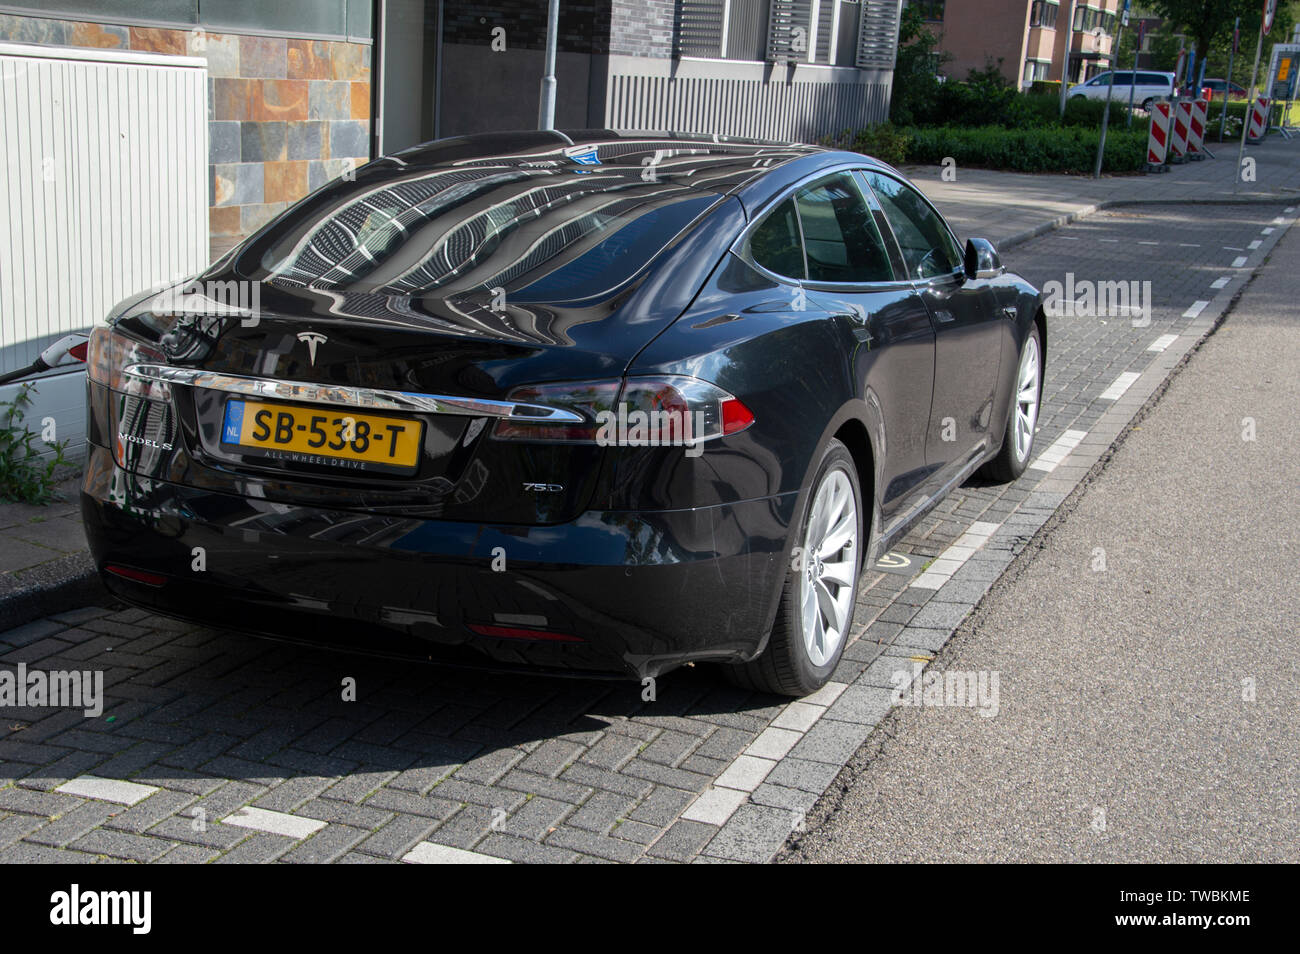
1216	87
1147	87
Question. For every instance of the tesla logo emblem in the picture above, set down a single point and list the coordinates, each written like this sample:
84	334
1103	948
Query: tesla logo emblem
545	488
311	339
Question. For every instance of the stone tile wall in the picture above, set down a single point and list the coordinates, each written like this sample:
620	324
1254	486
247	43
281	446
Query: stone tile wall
284	115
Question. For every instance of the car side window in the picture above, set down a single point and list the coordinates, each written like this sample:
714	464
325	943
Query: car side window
840	239
923	237
776	244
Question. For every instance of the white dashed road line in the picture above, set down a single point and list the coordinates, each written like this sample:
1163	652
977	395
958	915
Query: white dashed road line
951	560
1220	283
1059	450
1238	262
1196	309
1120	385
275	823
107	789
1161	343
427	853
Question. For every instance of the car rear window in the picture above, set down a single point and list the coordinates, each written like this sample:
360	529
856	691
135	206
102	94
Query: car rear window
538	234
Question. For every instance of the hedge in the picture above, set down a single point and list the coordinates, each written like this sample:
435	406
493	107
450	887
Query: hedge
1068	150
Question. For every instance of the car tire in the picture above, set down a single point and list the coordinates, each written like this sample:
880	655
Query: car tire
1147	104
1076	97
1022	414
794	662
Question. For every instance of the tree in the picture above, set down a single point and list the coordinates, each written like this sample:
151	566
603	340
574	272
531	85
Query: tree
915	71
1208	24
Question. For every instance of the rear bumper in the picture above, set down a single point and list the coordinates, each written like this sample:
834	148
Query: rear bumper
635	593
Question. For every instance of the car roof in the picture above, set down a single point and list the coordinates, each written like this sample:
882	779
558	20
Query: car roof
753	169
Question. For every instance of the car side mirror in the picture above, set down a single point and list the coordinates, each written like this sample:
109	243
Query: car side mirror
982	259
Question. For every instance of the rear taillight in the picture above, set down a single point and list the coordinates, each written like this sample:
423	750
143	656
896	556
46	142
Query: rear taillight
517	632
110	354
589	399
137	576
650	411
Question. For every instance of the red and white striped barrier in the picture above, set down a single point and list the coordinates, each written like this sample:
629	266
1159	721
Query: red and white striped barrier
1257	121
1196	129
1178	131
1158	139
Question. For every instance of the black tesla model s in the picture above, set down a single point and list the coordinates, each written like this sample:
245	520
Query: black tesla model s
595	401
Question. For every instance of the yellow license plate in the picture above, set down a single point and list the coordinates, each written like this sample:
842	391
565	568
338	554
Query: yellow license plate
326	436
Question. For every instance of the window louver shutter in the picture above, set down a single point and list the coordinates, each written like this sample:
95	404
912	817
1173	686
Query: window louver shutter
789	24
878	34
699	28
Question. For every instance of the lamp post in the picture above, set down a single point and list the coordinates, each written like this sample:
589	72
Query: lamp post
1110	89
1065	62
546	111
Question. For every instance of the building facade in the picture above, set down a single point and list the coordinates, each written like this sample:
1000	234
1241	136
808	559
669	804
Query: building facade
301	91
1027	40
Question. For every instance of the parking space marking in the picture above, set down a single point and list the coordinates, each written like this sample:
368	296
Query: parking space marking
1239	261
1254	245
1196	309
1267	231
1161	343
274	823
107	789
715	806
951	560
1119	386
1220	282
427	853
1059	450
746	773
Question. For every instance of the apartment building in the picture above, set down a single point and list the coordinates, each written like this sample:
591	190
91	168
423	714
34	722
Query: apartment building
1027	40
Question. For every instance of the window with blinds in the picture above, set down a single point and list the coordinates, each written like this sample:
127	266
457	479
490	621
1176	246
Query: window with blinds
878	34
861	33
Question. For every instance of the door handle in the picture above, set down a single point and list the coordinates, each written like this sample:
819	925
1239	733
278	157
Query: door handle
1011	311
944	316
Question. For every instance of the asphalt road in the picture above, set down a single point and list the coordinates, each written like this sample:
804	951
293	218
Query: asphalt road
1122	732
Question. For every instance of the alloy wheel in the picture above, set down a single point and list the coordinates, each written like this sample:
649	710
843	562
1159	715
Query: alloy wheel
1026	412
830	559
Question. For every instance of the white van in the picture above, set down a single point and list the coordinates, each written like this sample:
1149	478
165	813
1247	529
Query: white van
1147	87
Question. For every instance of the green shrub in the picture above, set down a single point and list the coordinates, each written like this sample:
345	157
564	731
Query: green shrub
24	475
1069	150
884	142
1046	87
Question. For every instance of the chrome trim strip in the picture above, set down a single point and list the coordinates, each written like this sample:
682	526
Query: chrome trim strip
346	396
